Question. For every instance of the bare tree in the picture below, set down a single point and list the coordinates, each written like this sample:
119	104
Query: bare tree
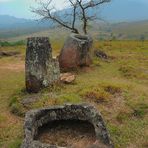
79	12
84	9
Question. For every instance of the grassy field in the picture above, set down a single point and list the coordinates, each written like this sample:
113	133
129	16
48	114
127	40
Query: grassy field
117	87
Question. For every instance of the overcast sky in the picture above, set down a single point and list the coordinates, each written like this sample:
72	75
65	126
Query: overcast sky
21	8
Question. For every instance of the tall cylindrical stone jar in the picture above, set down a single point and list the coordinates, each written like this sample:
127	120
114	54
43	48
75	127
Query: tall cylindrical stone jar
41	70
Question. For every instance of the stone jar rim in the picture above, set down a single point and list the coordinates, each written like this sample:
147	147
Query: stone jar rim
79	37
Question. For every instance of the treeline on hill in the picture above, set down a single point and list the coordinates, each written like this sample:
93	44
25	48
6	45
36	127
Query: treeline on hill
23	42
6	43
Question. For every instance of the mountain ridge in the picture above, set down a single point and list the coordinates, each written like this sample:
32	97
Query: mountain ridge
12	27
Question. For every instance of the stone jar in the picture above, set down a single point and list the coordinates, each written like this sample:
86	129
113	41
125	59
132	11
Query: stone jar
71	112
40	68
76	52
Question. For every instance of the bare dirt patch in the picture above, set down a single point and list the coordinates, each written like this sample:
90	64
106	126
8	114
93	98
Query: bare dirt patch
87	69
18	67
9	119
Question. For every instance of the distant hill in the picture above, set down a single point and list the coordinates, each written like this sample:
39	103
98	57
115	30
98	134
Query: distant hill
131	30
11	27
8	22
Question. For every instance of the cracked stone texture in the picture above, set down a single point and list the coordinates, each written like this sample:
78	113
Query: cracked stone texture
41	69
76	52
83	112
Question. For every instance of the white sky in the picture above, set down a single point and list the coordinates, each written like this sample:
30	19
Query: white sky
21	8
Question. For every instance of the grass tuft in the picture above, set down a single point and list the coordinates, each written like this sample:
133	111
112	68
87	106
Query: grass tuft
112	89
16	107
122	116
140	110
15	144
96	95
128	71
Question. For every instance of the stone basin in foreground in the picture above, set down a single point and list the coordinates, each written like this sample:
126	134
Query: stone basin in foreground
82	113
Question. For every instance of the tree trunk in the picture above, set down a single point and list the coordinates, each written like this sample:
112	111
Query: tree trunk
41	69
76	52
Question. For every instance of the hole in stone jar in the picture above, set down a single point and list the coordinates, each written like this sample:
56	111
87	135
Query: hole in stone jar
67	133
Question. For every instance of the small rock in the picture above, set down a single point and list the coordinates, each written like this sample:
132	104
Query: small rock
30	99
100	54
67	78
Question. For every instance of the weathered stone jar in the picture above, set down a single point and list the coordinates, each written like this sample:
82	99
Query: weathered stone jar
41	69
38	118
76	52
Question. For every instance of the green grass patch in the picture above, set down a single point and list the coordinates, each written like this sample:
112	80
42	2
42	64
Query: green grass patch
69	98
16	107
140	110
16	143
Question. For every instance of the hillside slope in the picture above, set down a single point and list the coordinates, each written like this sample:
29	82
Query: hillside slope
131	30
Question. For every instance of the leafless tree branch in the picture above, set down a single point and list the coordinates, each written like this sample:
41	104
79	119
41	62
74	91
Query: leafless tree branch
84	9
48	12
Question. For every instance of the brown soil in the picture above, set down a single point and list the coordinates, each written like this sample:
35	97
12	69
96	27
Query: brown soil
9	119
72	134
14	67
87	69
